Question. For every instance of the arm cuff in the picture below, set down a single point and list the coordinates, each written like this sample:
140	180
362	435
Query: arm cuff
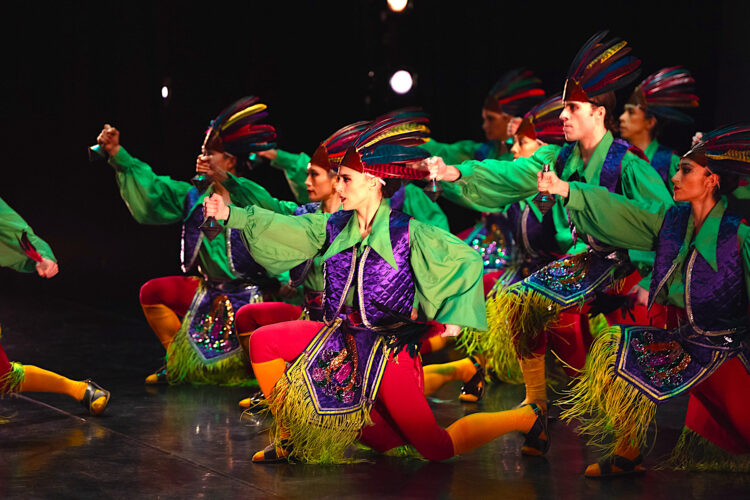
575	199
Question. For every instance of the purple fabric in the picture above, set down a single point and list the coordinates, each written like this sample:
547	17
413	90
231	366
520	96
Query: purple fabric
397	200
661	162
713	298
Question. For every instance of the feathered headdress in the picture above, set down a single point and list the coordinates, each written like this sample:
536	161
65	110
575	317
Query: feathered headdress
514	93
724	150
543	122
330	152
665	90
385	149
236	130
600	67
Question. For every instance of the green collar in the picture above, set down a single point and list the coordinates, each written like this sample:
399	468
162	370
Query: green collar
591	171
379	238
705	240
651	149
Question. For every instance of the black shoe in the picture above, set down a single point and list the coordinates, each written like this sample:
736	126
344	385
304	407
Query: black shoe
473	390
533	444
159	377
92	394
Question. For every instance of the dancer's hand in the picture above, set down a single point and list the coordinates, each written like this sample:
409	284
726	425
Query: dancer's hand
549	182
214	206
204	165
271	154
451	331
697	138
47	268
439	171
109	139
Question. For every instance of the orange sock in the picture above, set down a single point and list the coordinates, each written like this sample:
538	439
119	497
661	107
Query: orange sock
437	342
535	378
477	429
435	376
40	380
163	321
268	373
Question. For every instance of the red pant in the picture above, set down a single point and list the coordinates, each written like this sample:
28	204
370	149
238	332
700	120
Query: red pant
401	413
250	317
175	292
4	364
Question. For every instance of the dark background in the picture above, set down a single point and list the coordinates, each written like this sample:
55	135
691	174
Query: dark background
70	67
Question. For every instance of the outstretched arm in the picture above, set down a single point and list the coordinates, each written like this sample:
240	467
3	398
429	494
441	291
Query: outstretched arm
12	227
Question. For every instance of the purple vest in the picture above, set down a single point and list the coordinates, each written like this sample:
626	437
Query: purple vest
534	239
376	281
712	298
192	238
398	198
661	162
298	273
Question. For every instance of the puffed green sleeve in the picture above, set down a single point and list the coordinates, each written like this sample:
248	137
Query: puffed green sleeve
613	218
642	183
498	183
12	227
295	170
279	242
421	207
448	275
742	234
151	199
245	192
452	154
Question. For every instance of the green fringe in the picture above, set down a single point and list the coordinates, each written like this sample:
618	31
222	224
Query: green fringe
311	437
695	453
610	409
11	381
405	451
185	365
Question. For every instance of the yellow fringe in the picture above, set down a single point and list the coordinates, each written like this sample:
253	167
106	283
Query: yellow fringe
695	453
610	410
11	381
311	437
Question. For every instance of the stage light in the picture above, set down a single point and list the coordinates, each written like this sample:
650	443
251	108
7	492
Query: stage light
164	92
397	5
401	81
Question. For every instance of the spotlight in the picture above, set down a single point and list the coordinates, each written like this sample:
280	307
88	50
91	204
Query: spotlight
397	5
401	82
164	92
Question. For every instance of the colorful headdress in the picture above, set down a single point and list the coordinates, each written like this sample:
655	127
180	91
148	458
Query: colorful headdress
514	93
543	122
385	149
600	67
665	90
725	150
236	130
330	152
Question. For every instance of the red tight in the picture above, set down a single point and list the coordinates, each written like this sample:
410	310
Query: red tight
250	317
175	292
401	413
4	364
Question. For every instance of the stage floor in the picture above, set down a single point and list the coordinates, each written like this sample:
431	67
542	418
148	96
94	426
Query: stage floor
189	442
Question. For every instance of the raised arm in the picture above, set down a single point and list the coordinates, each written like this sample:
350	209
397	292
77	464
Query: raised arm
245	192
295	170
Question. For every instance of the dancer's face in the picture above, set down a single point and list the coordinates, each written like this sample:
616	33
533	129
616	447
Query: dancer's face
524	147
580	119
356	189
495	125
633	122
219	160
319	184
693	182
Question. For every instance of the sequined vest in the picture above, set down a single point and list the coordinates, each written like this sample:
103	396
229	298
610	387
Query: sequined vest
380	288
661	162
240	260
298	273
712	298
609	176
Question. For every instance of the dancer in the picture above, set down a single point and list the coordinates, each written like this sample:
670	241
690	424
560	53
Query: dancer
701	271
526	310
24	251
192	316
360	365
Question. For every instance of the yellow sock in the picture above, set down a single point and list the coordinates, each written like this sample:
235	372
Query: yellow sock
268	373
163	321
435	376
535	378
437	342
477	429
40	380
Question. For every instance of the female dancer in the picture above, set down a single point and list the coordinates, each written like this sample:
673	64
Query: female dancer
24	251
701	271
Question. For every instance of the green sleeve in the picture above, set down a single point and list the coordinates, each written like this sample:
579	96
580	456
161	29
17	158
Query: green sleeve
498	183
295	170
643	184
12	227
245	192
613	218
421	207
279	242
151	199
448	275
452	154
742	233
